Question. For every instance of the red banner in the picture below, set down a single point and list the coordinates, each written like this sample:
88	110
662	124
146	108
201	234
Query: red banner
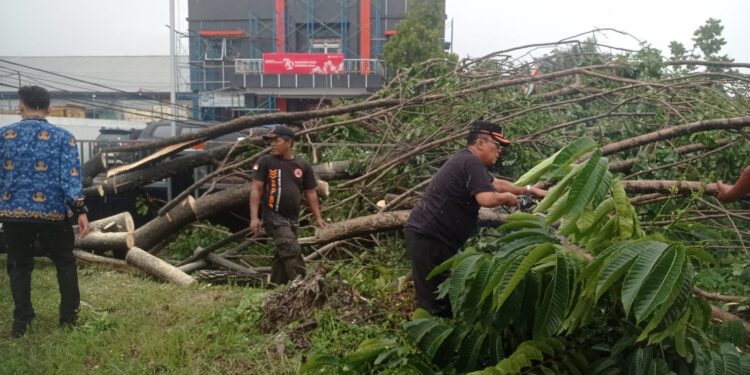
303	63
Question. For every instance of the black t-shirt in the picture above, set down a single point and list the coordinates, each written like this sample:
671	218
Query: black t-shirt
283	183
448	210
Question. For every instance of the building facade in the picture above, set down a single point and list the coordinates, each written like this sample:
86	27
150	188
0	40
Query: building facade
286	55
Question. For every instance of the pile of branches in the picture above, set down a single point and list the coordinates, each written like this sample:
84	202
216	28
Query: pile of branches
669	128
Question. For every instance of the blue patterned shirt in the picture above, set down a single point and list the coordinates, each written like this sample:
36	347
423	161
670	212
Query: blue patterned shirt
40	173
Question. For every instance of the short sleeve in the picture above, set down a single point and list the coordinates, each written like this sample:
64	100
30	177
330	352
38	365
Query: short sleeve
260	169
478	178
308	181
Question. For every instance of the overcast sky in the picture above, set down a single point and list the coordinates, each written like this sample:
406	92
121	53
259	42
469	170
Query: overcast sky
137	27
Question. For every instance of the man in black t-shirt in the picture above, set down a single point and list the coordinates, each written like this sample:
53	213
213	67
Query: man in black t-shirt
446	216
278	183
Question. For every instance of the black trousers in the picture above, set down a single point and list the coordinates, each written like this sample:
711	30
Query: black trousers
426	253
56	241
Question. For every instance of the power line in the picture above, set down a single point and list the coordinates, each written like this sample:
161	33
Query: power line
86	82
110	106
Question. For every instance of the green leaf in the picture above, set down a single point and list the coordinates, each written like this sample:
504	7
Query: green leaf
499	274
471	347
524	266
624	210
554	305
639	271
732	363
659	283
571	152
448	264
473	297
535	173
554	194
417	328
617	264
458	277
585	185
434	339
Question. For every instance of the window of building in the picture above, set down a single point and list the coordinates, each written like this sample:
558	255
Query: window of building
214	49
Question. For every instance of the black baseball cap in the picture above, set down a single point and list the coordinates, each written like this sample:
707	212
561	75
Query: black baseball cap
495	131
280	131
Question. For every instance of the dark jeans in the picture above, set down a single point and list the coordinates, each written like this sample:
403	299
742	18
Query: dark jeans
56	242
426	253
287	262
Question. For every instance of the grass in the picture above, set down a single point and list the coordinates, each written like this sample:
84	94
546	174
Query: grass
133	325
130	324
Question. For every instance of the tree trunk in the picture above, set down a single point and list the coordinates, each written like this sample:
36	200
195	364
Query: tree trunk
700	146
157	267
190	267
97	164
676	131
156	230
332	170
376	223
667	186
219	261
117	264
133	180
102	241
122	222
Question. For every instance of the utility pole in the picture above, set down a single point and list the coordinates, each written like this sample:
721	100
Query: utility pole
451	34
172	91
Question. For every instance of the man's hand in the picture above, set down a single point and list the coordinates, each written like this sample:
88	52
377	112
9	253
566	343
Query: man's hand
83	225
508	200
255	225
321	223
723	191
538	193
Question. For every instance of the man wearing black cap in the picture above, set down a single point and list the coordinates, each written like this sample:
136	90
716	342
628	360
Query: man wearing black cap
278	183
446	216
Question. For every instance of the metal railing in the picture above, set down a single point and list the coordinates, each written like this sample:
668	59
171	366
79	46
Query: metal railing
351	66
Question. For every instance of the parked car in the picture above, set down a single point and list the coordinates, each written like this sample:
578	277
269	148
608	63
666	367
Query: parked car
163	129
116	137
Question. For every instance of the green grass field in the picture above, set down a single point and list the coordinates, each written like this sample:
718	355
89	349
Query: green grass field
132	325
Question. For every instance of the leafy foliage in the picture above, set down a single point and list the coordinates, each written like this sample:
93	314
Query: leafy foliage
518	301
424	22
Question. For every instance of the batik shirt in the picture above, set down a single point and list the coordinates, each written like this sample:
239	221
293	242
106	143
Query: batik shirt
40	175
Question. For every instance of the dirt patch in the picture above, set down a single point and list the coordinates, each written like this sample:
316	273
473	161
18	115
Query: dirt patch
303	298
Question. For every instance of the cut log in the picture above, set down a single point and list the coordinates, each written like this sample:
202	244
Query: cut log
156	230
101	241
321	188
157	267
332	170
117	264
122	222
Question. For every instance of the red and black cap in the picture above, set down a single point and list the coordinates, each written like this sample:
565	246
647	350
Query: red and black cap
495	131
280	131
